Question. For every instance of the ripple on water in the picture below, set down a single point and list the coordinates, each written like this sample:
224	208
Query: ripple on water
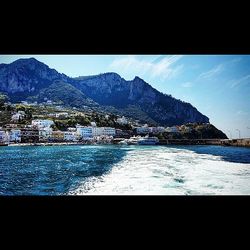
123	170
167	171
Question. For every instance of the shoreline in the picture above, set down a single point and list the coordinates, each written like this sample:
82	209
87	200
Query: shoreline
169	143
53	144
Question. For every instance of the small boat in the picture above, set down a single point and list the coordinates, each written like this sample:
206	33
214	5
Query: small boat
133	140
124	142
148	140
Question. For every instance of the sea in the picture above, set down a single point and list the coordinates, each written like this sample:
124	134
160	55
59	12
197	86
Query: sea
124	170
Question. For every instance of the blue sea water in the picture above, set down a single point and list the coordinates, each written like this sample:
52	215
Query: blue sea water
113	169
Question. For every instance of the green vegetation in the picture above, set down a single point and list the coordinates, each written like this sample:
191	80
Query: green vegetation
99	116
197	131
63	93
136	112
3	98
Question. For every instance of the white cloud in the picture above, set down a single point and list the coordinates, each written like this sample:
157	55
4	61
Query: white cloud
234	61
187	84
219	68
163	67
213	72
242	81
241	112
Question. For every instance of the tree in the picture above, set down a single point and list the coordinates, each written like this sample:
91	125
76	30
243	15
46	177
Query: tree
3	99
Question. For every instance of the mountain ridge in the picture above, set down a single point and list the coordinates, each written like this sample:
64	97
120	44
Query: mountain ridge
29	78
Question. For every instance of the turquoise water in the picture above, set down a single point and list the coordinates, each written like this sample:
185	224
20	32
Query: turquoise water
112	169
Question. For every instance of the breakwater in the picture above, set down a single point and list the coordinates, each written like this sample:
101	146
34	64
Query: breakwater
220	142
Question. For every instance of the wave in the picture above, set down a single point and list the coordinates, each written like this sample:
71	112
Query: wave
169	171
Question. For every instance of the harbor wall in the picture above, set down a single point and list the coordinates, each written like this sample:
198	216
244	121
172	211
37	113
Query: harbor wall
221	142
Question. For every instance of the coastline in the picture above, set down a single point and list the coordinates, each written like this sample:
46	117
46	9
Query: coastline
47	144
205	142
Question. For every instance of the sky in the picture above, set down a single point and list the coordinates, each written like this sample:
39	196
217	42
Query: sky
217	85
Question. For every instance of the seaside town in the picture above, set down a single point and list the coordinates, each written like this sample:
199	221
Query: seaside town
49	123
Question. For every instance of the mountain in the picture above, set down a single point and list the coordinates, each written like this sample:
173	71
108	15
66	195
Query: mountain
139	97
25	77
31	79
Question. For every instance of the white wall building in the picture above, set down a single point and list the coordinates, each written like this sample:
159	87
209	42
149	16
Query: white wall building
173	129
109	131
62	114
72	129
3	136
90	131
45	133
161	129
14	135
156	130
122	121
42	123
97	131
143	130
93	124
70	136
18	116
84	132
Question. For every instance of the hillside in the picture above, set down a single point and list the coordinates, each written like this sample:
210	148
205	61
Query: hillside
29	79
65	94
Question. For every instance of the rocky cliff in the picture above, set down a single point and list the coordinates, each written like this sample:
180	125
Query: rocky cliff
110	89
25	77
29	78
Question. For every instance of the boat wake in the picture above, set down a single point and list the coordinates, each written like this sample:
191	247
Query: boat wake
169	171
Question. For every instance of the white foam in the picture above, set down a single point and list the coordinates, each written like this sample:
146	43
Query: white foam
169	171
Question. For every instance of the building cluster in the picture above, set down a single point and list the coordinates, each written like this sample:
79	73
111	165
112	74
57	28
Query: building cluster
59	115
42	131
145	129
87	132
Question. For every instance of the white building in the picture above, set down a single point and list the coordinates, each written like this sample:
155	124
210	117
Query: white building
97	131
18	116
90	131
93	124
173	129
161	129
41	124
84	132
156	130
62	114
14	135
109	131
185	129
72	129
122	121
70	136
45	133
3	136
143	130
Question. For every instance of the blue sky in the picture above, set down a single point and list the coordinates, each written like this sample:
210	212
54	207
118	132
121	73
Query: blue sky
217	85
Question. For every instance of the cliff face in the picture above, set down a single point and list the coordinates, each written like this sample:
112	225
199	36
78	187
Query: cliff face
111	89
27	78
